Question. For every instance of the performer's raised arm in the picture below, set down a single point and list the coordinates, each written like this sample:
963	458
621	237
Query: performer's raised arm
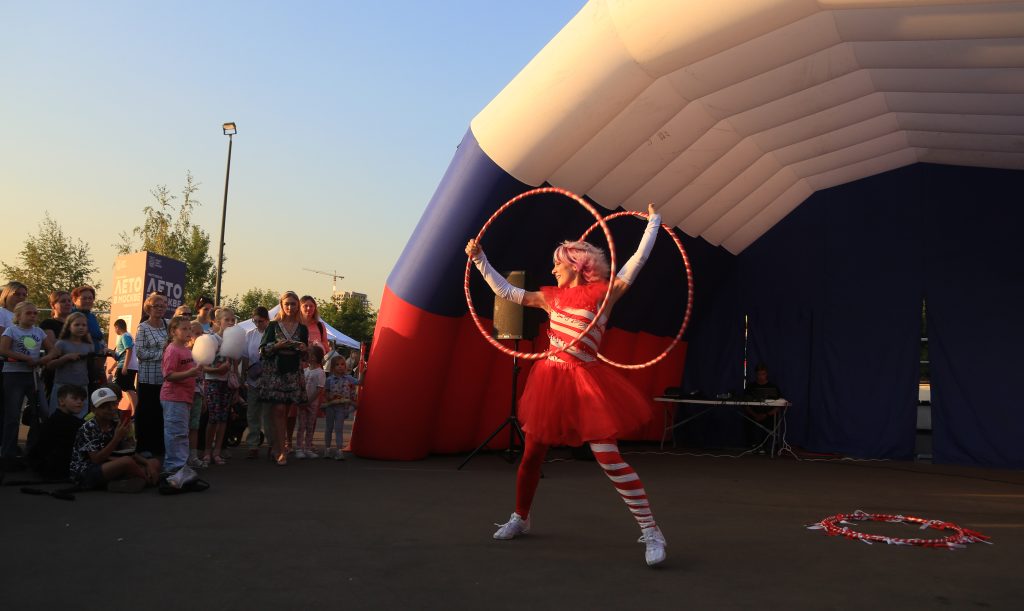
632	267
496	281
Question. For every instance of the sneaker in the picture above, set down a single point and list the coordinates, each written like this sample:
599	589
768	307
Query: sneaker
132	484
181	477
196	463
339	455
655	542
328	453
312	454
299	454
515	526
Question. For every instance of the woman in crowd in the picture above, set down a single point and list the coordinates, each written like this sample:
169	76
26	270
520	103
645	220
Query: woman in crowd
282	383
83	298
60	307
311	318
204	312
150	340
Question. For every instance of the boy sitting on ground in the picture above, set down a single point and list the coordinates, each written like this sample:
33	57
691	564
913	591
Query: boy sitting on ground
94	464
51	456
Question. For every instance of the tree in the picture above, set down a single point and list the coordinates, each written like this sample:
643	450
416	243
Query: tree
50	260
244	305
351	315
167	230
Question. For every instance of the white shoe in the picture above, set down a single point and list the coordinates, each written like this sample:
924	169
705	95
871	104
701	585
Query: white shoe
312	454
183	476
515	526
299	454
655	542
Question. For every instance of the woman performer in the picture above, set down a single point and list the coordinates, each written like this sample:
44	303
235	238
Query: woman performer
572	397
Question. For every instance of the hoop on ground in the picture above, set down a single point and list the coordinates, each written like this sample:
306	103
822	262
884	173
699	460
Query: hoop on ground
604	302
689	291
960	536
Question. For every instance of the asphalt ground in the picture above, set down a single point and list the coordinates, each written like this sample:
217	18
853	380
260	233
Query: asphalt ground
366	534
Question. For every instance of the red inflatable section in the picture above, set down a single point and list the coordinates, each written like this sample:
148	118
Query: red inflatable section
434	386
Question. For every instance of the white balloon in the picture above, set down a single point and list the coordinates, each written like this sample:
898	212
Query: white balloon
233	345
204	350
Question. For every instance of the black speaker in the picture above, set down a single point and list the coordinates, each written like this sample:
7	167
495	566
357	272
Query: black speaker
508	316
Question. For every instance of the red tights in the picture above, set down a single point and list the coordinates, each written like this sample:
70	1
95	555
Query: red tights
606	451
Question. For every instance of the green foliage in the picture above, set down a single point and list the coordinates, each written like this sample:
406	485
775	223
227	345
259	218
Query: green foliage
49	261
351	315
167	230
249	300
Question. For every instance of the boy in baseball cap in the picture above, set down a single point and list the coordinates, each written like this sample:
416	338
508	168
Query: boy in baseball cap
97	461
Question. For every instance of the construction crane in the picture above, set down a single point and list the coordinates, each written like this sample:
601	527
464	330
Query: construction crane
334	278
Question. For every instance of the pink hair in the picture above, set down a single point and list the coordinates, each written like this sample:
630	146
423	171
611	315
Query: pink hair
589	260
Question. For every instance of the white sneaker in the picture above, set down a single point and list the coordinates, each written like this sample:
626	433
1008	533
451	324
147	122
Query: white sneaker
655	542
312	454
299	454
183	476
515	526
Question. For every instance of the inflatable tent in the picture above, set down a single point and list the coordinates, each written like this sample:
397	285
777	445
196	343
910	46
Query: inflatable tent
831	164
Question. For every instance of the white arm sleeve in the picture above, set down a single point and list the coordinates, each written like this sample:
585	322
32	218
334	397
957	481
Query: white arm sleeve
498	284
633	266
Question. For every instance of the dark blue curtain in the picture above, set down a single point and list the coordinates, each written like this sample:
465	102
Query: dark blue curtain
975	297
833	294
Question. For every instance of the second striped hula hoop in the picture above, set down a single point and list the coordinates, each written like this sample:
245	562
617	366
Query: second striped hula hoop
689	291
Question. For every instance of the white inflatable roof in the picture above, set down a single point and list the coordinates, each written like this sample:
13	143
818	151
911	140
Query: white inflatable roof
731	113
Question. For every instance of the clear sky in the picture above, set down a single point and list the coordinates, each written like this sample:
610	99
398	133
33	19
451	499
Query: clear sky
348	114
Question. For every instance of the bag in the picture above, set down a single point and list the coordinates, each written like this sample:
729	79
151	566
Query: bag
233	382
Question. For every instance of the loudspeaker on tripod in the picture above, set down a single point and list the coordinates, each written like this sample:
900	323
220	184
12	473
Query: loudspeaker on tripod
508	316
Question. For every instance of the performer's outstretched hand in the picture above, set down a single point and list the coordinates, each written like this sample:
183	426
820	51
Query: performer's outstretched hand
473	249
650	208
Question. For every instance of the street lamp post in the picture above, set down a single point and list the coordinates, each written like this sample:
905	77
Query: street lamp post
229	130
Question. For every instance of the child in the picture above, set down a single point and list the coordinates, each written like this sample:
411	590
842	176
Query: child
307	411
127	365
71	358
51	456
217	395
93	465
340	390
196	414
176	393
20	345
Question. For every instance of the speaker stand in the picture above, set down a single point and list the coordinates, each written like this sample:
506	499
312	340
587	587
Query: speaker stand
512	422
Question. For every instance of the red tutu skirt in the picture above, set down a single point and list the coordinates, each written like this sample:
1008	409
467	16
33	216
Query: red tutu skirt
569	404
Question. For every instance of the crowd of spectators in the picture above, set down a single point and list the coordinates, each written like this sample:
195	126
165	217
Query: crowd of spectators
91	422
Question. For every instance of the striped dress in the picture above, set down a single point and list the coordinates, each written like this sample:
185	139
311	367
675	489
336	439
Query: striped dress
573	397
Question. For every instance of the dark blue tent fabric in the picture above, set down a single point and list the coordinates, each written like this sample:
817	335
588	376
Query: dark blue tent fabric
975	297
833	294
714	355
